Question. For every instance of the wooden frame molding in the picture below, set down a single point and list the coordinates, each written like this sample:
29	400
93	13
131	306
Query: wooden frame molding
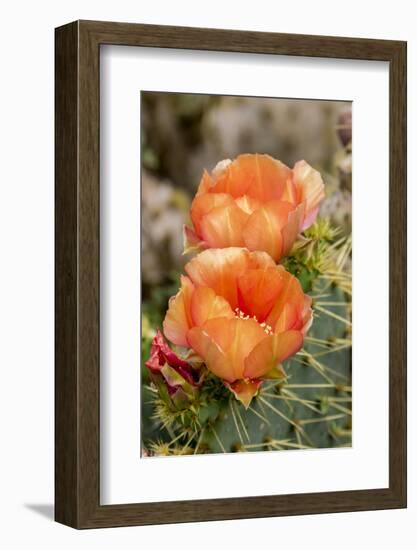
77	374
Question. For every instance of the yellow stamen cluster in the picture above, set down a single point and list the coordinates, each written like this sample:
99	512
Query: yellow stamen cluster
267	328
240	315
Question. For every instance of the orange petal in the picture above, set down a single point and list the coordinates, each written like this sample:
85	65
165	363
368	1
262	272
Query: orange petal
219	270
222	227
300	318
246	335
263	228
206	183
281	210
290	193
235	338
268	176
248	204
258	290
311	190
260	260
220	168
289	304
271	351
205	203
292	228
191	241
205	305
232	180
259	176
287	319
310	218
244	390
306	315
178	319
212	354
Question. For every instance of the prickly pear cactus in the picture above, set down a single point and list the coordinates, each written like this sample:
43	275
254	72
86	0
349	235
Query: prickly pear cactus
310	408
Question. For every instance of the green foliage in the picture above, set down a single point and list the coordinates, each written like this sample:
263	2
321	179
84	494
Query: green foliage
306	275
312	254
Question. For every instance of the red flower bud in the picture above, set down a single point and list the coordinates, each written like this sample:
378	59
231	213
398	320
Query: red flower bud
172	375
162	354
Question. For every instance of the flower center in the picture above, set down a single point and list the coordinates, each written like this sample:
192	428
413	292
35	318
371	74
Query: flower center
239	314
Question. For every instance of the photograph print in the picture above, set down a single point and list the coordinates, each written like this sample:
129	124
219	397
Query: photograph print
246	259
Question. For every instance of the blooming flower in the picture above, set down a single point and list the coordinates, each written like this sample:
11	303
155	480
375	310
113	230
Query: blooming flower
241	313
177	380
255	202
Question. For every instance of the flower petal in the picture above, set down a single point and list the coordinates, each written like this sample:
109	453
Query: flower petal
259	176
248	204
212	354
244	390
289	306
222	227
290	193
219	270
295	316
306	315
271	351
232	180
205	305
225	343
292	228
161	353
178	319
263	228
258	290
205	203
206	183
220	168
311	190
260	260
287	319
246	335
191	240
310	218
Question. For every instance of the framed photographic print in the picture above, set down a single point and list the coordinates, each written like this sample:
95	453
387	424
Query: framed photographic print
230	274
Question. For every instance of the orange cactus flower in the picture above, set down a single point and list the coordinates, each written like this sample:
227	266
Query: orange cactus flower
255	202
242	314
